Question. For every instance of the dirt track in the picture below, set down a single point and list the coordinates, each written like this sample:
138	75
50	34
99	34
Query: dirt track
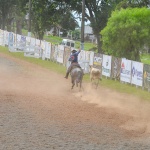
38	111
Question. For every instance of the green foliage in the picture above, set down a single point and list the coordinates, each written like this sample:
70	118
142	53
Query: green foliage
145	58
127	33
42	15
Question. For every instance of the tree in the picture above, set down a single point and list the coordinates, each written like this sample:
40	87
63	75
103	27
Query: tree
132	3
127	33
47	14
12	11
5	9
67	21
97	12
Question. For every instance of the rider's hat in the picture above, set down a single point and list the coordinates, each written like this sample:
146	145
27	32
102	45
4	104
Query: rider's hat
73	50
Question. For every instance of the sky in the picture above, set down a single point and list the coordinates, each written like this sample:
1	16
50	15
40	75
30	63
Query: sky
79	20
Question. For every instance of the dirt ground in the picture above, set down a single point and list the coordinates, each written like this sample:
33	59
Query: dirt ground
39	111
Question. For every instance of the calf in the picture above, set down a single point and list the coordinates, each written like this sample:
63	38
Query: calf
95	74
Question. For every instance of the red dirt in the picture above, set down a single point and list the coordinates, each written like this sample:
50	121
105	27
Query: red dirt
38	110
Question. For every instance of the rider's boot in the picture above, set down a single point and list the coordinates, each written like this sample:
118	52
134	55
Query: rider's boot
66	76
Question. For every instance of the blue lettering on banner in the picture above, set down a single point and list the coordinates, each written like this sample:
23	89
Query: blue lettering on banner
106	70
123	71
137	73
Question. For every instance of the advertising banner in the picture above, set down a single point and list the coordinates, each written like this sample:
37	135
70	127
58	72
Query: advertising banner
48	50
115	68
42	49
137	73
6	35
106	66
97	61
146	76
81	56
54	52
28	41
37	48
1	37
11	41
20	42
32	44
67	53
60	54
125	74
89	55
43	45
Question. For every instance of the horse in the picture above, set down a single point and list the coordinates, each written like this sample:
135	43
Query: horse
76	77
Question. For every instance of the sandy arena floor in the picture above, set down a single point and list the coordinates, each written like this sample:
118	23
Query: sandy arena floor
38	111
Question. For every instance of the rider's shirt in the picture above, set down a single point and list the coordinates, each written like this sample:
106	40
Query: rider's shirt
74	57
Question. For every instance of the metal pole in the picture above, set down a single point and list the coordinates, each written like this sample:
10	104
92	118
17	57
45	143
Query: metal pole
29	25
82	25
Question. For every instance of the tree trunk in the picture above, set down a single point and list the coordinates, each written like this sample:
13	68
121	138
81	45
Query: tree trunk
9	24
40	35
19	27
3	22
99	44
137	56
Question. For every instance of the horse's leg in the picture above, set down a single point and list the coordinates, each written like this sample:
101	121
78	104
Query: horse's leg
72	84
97	83
80	85
76	83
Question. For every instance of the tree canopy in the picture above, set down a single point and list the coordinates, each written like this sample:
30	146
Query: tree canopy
127	33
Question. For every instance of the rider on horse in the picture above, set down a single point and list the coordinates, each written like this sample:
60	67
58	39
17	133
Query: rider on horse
74	61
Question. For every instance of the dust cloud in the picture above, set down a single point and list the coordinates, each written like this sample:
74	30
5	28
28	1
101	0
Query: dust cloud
122	103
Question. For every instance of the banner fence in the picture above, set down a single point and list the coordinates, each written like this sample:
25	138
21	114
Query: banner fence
122	69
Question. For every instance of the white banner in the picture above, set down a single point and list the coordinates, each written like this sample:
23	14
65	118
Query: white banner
48	50
106	66
43	44
6	35
32	44
60	53
28	41
125	74
11	41
97	60
91	58
81	56
137	73
89	55
1	37
37	48
21	42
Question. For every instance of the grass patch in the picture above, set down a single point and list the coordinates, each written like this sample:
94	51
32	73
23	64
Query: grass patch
145	58
53	39
108	83
87	45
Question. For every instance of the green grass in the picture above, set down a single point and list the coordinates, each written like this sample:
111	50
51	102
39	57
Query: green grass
145	58
53	39
87	45
108	83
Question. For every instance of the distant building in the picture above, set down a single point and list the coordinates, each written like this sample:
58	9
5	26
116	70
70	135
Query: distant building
88	34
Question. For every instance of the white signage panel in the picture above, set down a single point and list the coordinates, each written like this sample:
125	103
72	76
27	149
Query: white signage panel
106	66
137	73
125	72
